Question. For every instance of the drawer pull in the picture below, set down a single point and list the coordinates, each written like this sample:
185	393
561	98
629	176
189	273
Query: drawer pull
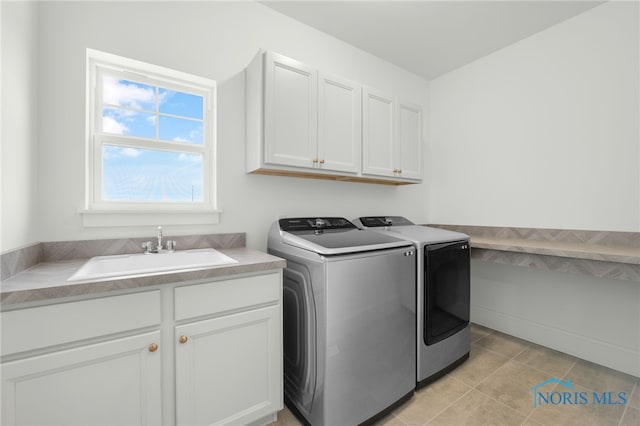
153	347
183	339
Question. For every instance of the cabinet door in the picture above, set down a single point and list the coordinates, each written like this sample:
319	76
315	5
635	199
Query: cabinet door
339	124
409	140
110	383
229	369
290	120
378	123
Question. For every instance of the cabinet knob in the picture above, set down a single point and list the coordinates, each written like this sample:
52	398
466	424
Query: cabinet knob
314	161
153	347
321	161
183	339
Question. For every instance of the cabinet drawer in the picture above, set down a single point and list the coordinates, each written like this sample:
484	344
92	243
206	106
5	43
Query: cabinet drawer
210	298
43	326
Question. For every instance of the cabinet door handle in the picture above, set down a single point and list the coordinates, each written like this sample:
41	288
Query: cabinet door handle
153	347
183	339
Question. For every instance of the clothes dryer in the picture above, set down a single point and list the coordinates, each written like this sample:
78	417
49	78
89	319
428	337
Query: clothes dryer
442	292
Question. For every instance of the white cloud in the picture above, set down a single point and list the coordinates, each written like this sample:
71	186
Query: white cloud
114	152
111	125
130	152
164	95
193	137
192	158
118	92
109	153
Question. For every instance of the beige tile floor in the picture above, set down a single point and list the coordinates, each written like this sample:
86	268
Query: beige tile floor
493	387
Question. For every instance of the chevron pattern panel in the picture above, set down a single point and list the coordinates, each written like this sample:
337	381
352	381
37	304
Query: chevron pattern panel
18	260
602	254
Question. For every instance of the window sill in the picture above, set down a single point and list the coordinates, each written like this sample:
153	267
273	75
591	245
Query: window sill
112	218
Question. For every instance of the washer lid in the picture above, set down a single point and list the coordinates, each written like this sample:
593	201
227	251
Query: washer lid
334	235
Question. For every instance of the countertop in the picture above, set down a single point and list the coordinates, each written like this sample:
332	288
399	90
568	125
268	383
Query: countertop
620	254
607	246
48	280
603	254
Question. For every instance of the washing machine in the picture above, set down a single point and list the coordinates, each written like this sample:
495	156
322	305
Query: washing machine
442	292
349	320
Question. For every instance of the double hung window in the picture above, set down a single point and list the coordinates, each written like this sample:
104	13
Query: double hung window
150	137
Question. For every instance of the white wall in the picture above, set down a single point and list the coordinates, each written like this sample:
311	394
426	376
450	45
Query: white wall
215	40
18	225
592	318
546	133
543	133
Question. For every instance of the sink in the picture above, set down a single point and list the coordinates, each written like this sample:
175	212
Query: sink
139	263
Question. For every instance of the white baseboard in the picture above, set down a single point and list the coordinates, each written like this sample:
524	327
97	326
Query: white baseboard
603	353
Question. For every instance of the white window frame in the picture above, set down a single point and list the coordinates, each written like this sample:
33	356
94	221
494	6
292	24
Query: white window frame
97	212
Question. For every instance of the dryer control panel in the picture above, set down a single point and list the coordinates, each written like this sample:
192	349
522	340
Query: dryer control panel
378	221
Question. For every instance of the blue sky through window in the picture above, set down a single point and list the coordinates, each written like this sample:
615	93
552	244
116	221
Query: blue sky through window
155	113
142	175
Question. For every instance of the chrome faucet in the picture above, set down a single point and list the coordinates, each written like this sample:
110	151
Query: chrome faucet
148	246
159	246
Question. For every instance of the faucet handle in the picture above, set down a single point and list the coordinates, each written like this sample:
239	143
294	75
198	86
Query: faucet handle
146	246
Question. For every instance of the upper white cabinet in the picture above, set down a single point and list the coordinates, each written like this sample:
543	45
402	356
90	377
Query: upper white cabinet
290	117
309	119
378	134
339	124
392	136
306	122
409	141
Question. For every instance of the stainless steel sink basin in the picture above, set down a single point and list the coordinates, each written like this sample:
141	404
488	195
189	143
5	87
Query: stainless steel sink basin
137	264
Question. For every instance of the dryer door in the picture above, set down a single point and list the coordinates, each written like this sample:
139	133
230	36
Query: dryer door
447	295
299	326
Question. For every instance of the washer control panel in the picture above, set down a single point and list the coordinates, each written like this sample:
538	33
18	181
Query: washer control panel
314	223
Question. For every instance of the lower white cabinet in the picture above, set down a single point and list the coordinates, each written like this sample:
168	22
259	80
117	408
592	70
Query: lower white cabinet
116	382
228	368
112	361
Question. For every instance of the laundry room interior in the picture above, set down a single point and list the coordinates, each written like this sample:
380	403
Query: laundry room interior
526	139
